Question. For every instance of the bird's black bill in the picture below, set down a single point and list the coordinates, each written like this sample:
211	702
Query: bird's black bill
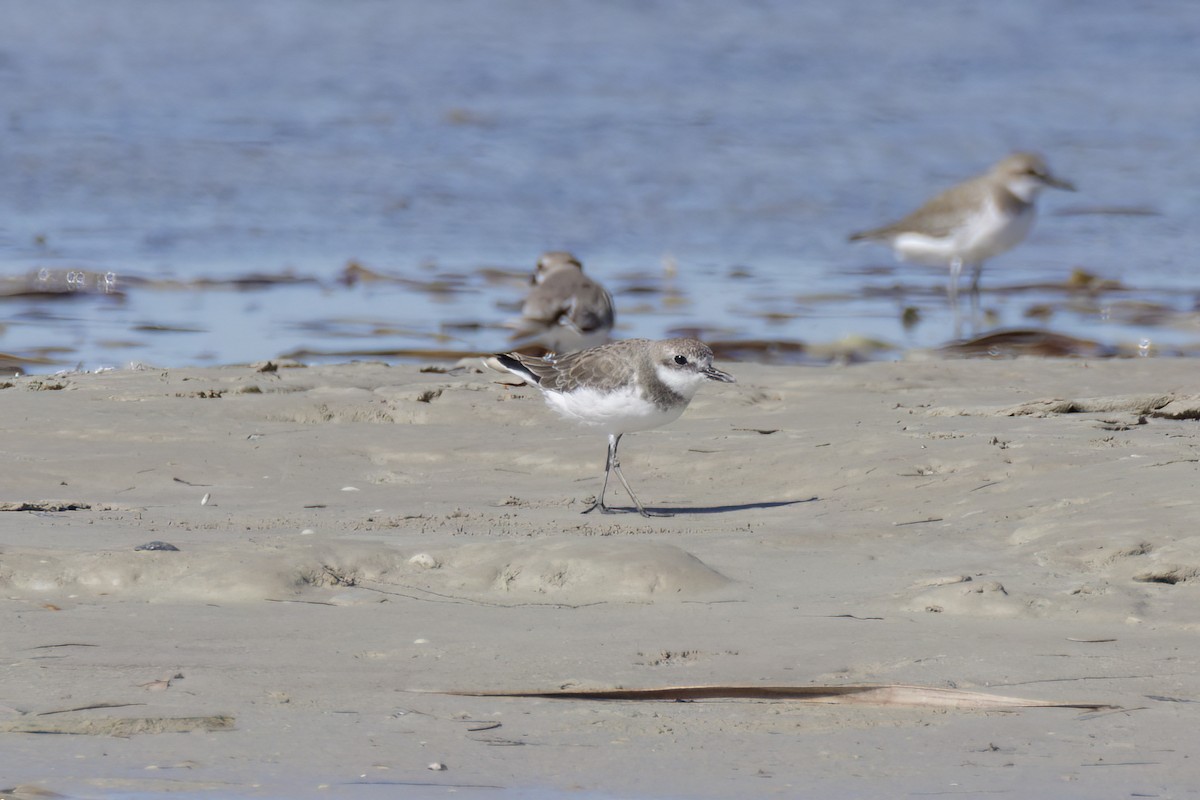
715	374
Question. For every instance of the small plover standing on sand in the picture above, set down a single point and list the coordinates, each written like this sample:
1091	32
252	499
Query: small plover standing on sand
973	221
628	385
566	310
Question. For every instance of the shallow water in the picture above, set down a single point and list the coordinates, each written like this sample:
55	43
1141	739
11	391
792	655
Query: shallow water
705	160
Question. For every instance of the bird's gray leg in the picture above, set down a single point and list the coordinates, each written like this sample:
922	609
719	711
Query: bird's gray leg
616	465
956	266
612	464
976	319
609	462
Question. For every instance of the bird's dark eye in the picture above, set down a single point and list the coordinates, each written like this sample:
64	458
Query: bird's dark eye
681	360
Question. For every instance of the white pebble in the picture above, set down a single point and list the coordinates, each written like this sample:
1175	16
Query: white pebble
307	532
437	766
349	488
420	641
204	500
424	560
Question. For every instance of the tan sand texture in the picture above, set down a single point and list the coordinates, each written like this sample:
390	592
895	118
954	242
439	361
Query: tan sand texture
372	538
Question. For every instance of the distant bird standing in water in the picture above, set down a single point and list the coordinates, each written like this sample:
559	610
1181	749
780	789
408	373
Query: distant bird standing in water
971	222
566	310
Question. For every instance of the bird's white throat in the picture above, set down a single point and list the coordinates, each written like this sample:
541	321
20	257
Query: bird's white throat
682	382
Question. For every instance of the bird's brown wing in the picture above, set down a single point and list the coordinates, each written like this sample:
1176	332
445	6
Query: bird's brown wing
598	367
939	217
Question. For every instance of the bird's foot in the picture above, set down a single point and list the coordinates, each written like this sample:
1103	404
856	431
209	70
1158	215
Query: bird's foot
647	513
603	509
598	506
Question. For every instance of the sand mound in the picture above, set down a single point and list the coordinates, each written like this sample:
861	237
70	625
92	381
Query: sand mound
583	570
530	571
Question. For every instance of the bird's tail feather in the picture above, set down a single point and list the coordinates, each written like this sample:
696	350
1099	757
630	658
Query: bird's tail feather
510	362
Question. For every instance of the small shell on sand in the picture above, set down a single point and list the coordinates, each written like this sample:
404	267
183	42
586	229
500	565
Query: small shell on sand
425	561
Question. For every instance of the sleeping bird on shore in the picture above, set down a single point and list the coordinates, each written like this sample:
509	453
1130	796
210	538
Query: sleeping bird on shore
566	310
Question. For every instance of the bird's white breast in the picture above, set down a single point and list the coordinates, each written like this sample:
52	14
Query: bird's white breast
996	231
621	411
987	233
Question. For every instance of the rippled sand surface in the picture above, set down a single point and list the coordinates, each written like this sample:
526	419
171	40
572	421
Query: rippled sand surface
300	567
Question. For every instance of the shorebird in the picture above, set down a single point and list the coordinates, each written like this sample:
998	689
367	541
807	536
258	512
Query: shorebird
971	222
628	385
566	310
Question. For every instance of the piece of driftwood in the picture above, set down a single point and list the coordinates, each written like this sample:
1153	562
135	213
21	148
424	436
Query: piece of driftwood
899	695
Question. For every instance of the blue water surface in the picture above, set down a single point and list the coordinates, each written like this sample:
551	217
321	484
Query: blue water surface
705	160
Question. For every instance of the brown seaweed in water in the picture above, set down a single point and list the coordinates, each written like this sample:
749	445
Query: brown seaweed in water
14	364
355	273
772	351
1023	342
304	354
255	280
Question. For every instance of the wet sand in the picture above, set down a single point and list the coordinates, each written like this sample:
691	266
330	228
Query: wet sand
373	536
75	319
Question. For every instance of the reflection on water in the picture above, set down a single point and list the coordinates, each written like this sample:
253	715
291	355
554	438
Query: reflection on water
177	189
436	315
